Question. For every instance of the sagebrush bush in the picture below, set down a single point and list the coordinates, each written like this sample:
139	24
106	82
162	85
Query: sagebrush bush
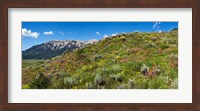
144	69
174	83
116	68
69	82
97	57
39	82
89	85
99	81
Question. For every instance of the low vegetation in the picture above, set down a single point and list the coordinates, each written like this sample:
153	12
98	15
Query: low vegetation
125	61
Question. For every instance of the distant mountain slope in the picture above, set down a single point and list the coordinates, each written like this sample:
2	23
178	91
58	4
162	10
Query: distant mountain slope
53	48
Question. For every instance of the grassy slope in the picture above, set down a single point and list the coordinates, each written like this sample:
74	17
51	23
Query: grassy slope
115	62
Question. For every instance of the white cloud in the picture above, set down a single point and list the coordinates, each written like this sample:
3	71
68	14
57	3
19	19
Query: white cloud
61	33
98	33
114	34
48	33
156	25
29	33
105	36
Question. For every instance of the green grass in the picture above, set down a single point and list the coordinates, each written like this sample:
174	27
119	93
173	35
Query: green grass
130	61
28	63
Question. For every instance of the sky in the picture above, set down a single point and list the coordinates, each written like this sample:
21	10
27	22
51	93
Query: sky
34	33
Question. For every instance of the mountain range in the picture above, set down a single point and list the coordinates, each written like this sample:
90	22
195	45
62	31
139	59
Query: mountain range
53	48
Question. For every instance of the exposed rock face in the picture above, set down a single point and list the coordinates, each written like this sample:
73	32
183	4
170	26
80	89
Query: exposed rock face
53	48
56	45
91	41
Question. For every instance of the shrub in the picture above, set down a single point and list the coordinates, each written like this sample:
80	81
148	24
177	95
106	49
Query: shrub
173	41
123	38
164	46
154	39
41	62
144	69
105	71
97	57
117	57
39	82
87	67
150	45
89	85
122	86
134	50
141	83
69	82
79	53
174	29
116	68
159	82
117	77
26	86
57	80
56	83
131	83
102	62
87	60
99	81
174	84
174	57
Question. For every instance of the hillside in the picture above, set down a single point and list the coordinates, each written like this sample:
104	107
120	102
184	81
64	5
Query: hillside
127	61
53	48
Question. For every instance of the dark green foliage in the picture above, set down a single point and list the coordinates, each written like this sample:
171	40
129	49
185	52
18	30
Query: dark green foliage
99	81
164	46
117	77
45	54
175	29
97	57
39	82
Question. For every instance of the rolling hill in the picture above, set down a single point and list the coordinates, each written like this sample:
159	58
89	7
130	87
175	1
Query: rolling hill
137	60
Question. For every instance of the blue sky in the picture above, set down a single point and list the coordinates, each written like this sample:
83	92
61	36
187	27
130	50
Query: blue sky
34	33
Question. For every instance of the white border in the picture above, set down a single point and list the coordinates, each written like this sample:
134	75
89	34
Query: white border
182	95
